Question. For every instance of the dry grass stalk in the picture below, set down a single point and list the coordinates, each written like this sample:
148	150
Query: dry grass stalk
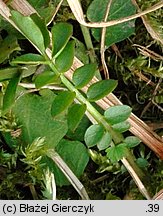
105	103
69	174
138	127
158	196
138	182
78	13
23	7
149	53
102	49
154	34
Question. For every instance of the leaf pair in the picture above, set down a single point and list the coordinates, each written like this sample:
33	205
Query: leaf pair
117	116
62	49
83	75
63	102
33	28
116	153
96	135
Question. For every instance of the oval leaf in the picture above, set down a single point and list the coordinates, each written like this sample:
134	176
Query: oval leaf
75	154
45	78
29	29
11	72
61	102
93	135
96	13
83	75
105	141
65	59
121	127
33	113
100	89
8	73
29	58
117	114
142	162
42	26
132	141
116	153
61	33
10	93
75	114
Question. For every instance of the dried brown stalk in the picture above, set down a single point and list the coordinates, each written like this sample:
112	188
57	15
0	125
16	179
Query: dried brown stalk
102	49
23	7
149	53
138	182
154	34
136	126
78	13
158	196
69	174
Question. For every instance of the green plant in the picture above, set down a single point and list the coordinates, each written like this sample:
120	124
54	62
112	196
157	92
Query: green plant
47	119
108	129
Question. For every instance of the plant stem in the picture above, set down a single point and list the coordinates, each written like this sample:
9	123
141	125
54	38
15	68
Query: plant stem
131	160
88	43
117	137
96	115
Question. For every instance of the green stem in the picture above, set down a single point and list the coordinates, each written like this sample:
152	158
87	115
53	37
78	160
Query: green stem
117	137
131	159
95	114
88	43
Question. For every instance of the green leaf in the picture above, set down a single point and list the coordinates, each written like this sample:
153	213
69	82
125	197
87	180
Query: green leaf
33	114
104	142
116	153
119	9
75	114
29	58
64	61
27	70
47	13
83	75
117	114
93	135
42	26
11	72
45	78
79	133
81	52
8	73
8	46
142	162
75	154
29	29
121	127
62	101
100	89
10	93
61	33
38	4
132	141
